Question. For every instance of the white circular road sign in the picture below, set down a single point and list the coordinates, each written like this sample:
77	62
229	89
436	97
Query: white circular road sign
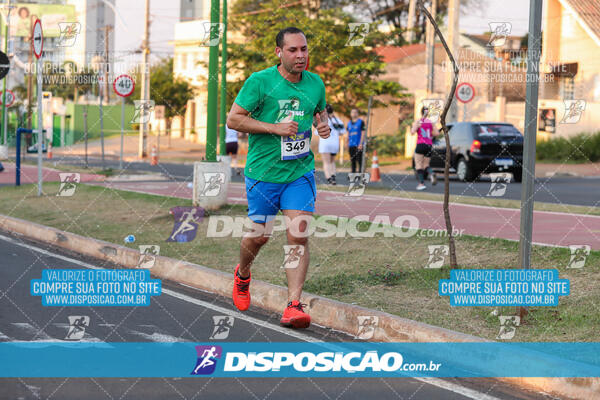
10	98
465	92
124	85
38	38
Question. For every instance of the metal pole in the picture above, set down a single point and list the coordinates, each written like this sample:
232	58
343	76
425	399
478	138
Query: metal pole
40	127
430	37
145	82
85	134
364	150
464	112
4	85
18	159
453	34
223	114
100	90
213	84
122	131
531	110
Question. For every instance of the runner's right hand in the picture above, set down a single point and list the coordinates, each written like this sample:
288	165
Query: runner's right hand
286	128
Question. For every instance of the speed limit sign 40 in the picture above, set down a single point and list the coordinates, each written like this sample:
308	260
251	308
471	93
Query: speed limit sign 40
124	85
465	92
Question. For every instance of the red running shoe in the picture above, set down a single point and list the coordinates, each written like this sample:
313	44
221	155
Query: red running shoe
241	291
294	316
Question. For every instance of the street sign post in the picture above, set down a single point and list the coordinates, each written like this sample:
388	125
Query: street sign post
465	92
38	47
123	86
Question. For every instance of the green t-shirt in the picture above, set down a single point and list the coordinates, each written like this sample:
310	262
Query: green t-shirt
271	98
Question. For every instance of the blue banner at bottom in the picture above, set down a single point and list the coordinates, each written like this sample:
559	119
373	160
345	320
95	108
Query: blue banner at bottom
222	359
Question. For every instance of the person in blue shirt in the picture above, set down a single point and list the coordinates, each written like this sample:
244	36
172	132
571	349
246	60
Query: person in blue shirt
355	128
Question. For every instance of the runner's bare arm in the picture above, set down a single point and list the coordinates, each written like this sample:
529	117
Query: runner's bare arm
239	119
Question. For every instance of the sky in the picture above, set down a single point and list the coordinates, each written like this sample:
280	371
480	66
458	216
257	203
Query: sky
165	13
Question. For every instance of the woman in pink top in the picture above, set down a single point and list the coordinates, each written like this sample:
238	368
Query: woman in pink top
425	133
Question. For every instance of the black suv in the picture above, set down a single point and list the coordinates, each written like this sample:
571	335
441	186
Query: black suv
480	148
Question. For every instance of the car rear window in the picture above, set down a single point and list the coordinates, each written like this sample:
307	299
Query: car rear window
497	130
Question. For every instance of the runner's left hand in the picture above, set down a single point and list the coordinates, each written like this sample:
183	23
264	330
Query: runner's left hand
322	127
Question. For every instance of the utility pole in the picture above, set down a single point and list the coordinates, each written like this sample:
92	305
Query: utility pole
5	85
213	83
430	55
223	113
107	30
29	82
410	27
453	34
531	112
145	88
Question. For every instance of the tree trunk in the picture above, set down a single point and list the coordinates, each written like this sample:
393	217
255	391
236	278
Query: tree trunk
449	99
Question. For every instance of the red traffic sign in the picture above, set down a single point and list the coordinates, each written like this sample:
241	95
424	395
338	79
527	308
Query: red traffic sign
38	38
10	98
123	85
465	92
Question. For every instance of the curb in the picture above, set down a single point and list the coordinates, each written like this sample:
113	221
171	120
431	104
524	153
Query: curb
323	311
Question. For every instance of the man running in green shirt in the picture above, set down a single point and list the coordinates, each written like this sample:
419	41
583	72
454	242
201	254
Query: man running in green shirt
278	106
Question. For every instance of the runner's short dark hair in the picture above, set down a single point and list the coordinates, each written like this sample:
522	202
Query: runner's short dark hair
283	32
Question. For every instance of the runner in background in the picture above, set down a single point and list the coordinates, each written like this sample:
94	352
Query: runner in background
328	148
355	128
425	132
231	146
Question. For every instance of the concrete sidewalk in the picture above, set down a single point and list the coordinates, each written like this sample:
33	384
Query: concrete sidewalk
549	228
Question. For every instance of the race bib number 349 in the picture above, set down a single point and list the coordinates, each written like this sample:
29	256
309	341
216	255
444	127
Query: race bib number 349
295	146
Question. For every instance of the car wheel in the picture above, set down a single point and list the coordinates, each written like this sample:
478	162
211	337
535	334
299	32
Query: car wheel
518	175
463	171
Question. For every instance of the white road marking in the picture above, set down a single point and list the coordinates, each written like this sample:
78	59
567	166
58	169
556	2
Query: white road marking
440	383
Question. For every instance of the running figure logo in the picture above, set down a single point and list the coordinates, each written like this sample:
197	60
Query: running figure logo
508	327
435	107
213	182
499	33
186	223
212	33
207	359
366	326
77	325
573	111
288	109
579	253
68	33
499	184
358	184
143	111
291	255
437	254
358	31
148	255
222	326
68	183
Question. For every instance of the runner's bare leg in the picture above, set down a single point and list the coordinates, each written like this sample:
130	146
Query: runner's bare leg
250	246
296	235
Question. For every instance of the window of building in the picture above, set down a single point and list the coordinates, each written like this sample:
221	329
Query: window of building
184	65
567	88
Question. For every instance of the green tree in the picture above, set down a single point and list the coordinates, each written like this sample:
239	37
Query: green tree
165	89
350	73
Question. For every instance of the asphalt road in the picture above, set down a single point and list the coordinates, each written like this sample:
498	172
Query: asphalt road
583	191
183	314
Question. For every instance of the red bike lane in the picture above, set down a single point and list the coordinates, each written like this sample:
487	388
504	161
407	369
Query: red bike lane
549	228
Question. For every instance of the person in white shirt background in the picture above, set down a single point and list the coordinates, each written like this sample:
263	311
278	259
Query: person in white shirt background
328	148
231	146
